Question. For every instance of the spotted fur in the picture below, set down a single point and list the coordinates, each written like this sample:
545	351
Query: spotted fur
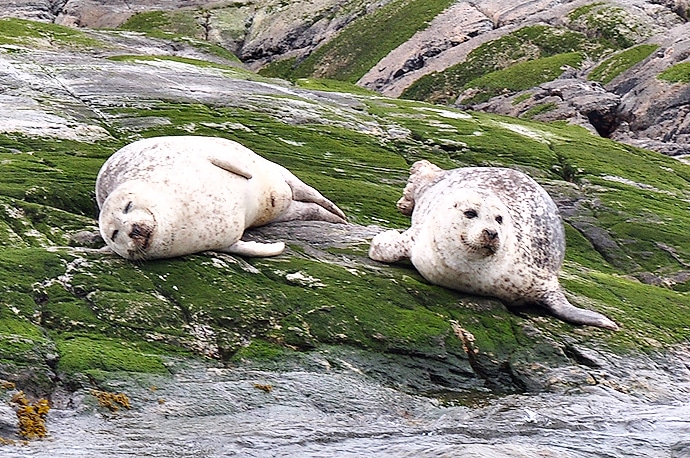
484	230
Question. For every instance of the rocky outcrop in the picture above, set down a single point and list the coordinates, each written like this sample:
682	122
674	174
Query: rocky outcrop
219	353
474	19
576	100
294	29
636	108
40	10
655	113
257	31
480	23
457	25
651	113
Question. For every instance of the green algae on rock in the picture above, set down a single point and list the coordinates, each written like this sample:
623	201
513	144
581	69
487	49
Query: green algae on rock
679	73
519	47
71	314
43	35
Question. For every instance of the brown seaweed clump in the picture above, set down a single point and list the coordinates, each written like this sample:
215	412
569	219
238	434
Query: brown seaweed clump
32	417
112	401
263	387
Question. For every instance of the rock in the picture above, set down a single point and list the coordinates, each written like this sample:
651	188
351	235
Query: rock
572	99
39	10
475	24
98	14
87	239
656	111
602	241
636	108
456	25
293	29
650	113
71	315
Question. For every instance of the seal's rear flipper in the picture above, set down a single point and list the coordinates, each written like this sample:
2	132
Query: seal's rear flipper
556	303
308	211
255	249
313	206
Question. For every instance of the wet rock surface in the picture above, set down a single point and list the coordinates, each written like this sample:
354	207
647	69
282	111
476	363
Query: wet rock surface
329	406
358	355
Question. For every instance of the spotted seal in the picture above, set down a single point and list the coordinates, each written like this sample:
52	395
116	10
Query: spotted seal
170	196
484	230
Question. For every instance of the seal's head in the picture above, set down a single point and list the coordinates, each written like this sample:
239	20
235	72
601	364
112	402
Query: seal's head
472	226
128	223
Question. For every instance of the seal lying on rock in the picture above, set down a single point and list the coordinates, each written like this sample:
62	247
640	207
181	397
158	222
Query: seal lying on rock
170	196
484	230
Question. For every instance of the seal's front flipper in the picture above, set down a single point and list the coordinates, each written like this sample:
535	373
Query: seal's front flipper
232	167
556	303
303	193
255	249
390	246
422	173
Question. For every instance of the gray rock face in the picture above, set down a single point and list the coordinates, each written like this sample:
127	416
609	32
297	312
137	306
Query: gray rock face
576	100
331	406
294	29
636	108
450	32
39	10
474	23
654	113
110	14
257	32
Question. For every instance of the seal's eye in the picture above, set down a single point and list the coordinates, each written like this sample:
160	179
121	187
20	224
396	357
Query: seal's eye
115	232
470	214
128	207
499	219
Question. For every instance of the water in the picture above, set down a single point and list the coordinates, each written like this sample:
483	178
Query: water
210	412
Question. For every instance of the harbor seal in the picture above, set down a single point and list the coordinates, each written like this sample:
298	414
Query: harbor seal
484	230
171	196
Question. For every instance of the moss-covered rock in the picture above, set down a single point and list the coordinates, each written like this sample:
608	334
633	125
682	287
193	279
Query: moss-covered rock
616	26
502	54
518	77
620	62
72	314
679	73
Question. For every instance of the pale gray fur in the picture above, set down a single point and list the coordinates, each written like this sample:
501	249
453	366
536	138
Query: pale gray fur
511	246
170	196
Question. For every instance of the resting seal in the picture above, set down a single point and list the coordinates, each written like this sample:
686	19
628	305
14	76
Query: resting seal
170	196
484	230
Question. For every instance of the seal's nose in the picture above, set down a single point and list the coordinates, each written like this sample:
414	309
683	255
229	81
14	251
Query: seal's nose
141	235
490	234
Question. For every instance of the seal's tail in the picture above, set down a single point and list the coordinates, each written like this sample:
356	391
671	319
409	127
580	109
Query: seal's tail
556	303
